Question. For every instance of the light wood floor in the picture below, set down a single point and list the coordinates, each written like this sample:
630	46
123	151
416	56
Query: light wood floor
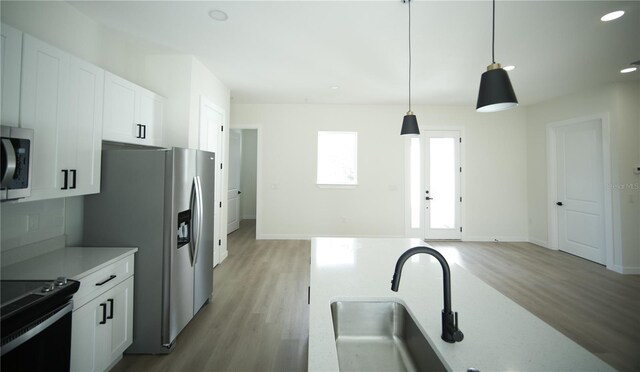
258	319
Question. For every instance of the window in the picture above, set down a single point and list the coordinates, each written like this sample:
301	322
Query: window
337	158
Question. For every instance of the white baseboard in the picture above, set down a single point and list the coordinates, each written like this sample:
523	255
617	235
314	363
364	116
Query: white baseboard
625	270
480	238
539	242
309	237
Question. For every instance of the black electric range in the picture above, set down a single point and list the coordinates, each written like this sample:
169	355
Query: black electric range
35	315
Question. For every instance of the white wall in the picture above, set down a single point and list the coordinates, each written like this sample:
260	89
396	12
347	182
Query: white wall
169	75
620	102
294	207
248	173
63	26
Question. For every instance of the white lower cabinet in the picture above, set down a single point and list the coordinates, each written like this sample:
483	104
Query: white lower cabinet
102	327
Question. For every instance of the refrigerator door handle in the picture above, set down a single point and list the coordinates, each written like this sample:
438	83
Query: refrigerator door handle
192	234
200	216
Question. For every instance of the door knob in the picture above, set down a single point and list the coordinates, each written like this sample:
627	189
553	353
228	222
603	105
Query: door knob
559	204
239	192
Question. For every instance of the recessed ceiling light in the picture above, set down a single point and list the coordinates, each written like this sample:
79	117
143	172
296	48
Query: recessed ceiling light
509	68
218	15
335	87
628	70
611	16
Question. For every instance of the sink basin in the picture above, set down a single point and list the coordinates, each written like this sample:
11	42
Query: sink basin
380	336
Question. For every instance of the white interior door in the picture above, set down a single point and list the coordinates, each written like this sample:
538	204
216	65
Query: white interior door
233	193
442	195
211	121
580	190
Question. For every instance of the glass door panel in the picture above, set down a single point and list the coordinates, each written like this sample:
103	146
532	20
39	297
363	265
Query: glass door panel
442	185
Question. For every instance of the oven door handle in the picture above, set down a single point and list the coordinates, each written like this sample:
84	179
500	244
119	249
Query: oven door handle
50	318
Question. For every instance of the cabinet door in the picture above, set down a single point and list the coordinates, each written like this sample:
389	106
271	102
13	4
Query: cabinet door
85	330
149	113
121	324
119	110
83	131
102	329
42	108
10	61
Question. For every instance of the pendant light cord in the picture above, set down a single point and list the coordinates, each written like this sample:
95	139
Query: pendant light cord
409	2
493	34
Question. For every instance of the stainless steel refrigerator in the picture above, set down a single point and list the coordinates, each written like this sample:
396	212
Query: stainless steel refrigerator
161	201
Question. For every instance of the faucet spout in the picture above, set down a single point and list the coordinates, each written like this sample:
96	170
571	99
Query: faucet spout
450	331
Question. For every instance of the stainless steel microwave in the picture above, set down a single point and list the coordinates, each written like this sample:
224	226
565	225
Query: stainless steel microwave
16	158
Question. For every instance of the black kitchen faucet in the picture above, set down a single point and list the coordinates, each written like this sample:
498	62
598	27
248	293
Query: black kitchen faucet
450	331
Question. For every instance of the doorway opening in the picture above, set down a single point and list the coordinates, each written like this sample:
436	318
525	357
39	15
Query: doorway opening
244	176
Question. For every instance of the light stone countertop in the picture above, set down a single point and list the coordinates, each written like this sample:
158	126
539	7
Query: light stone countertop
499	335
71	262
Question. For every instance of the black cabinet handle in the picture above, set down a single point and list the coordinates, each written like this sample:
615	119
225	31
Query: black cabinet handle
559	204
65	178
110	301
139	130
73	179
144	132
106	280
104	313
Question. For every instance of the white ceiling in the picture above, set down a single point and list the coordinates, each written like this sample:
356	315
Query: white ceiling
295	51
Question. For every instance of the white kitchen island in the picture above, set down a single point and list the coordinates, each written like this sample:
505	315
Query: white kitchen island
499	335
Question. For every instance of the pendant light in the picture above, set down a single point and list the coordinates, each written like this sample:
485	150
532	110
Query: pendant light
496	92
409	123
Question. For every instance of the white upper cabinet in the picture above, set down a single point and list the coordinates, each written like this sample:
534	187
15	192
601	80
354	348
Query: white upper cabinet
132	114
10	61
61	100
82	134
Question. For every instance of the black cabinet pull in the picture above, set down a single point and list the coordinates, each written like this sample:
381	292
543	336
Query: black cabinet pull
65	179
144	132
139	130
559	204
104	313
73	179
110	301
106	280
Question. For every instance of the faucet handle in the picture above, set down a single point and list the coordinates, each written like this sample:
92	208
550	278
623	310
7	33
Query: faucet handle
457	333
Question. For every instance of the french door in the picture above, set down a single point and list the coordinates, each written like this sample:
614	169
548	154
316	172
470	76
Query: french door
442	197
434	186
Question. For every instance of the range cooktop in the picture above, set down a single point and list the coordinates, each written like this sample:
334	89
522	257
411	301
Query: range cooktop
25	300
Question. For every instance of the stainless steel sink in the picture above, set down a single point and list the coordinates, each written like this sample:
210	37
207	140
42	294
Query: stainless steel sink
380	336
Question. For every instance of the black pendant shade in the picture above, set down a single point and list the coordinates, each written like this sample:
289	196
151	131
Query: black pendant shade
496	92
410	125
